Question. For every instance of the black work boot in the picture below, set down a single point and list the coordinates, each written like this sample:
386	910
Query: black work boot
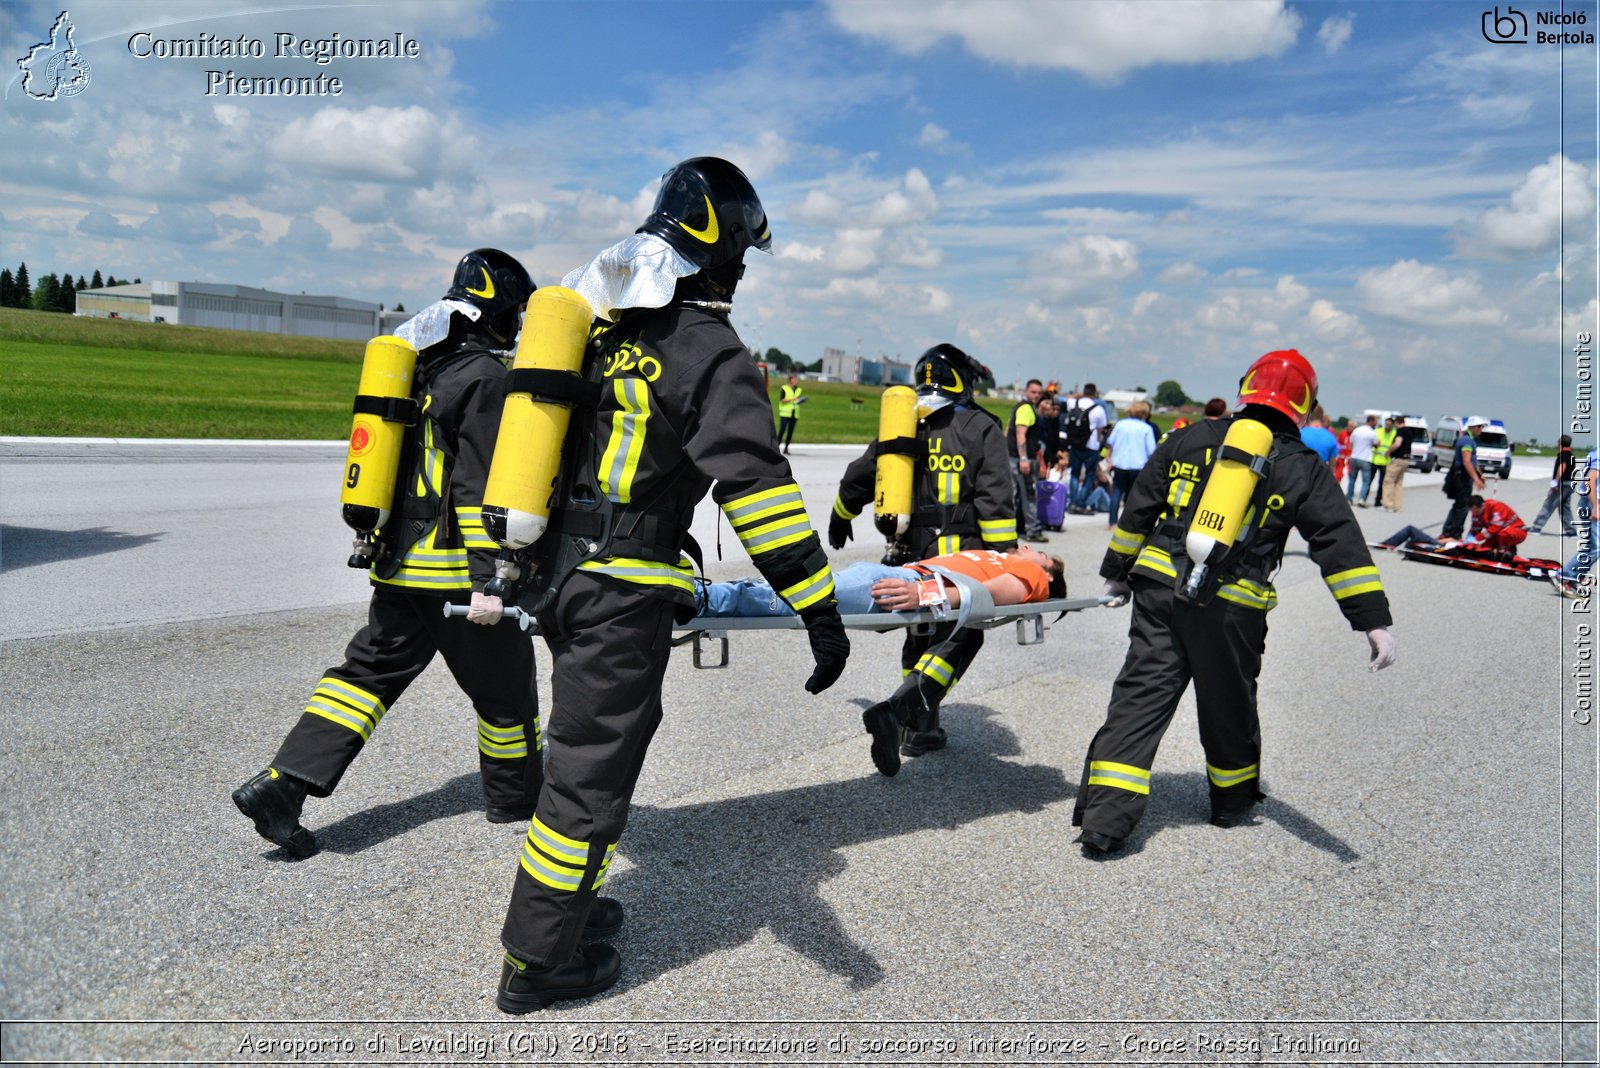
272	800
884	727
524	988
1094	842
605	919
508	813
921	742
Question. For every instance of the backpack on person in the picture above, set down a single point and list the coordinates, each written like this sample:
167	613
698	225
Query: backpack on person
1075	427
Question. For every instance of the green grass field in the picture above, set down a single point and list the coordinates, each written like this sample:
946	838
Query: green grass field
64	376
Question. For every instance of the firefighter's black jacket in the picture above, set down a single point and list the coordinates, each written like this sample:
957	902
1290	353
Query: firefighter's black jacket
1300	493
962	497
682	406
437	543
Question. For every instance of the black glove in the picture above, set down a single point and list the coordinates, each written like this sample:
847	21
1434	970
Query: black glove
839	532
830	646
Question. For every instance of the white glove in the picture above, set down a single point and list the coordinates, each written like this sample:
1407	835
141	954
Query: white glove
1382	643
485	609
1118	591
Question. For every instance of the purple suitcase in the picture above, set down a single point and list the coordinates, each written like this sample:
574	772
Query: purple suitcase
1052	501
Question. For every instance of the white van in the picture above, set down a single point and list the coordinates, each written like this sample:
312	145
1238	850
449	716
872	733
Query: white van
1493	453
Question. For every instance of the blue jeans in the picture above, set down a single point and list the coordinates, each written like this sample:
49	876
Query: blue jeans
1583	560
1364	469
1560	496
752	597
1409	535
1081	461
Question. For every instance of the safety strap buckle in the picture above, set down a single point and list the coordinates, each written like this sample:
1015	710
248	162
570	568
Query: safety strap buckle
402	410
557	387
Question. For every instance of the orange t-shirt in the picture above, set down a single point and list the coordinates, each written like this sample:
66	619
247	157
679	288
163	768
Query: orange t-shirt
985	564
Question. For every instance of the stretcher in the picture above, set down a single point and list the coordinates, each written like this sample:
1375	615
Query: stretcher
1478	558
977	610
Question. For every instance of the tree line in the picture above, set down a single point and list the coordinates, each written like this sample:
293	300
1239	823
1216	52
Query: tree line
52	292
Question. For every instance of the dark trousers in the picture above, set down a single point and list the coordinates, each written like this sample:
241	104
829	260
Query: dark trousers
1170	643
1122	480
1022	494
932	664
1456	521
786	427
609	647
492	665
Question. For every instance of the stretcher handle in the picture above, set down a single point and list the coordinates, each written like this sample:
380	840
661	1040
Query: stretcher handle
524	619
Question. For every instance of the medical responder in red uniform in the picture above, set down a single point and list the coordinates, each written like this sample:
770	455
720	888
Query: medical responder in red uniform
962	499
682	409
434	549
1217	639
1496	524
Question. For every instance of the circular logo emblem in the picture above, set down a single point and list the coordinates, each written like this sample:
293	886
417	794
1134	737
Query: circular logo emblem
67	73
360	440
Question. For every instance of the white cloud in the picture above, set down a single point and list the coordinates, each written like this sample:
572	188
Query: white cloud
933	135
1335	32
1145	301
376	144
1085	265
1181	273
1427	296
1331	324
1101	41
1556	194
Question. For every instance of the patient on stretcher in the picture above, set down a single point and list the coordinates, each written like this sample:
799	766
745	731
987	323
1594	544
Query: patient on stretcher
1019	576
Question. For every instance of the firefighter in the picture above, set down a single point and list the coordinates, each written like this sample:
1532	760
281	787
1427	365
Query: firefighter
432	549
681	407
1214	632
962	499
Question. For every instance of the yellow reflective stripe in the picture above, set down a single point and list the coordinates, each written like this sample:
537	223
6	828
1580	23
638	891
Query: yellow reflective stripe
1125	542
1178	494
951	543
346	704
619	464
502	743
473	536
558	861
949	491
747	509
998	525
1157	560
937	669
1122	776
841	511
803	595
1231	776
1249	594
994	537
1357	580
643	572
786	531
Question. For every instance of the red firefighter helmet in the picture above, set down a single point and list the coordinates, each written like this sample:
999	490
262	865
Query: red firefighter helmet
1284	380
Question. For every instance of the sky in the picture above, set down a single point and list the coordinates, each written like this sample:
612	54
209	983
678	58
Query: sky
1116	192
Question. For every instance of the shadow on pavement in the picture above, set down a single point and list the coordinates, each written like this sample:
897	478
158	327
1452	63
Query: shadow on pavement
1177	800
710	876
22	547
369	827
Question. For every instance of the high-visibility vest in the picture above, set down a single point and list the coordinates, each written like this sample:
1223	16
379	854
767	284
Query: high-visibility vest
788	401
1380	453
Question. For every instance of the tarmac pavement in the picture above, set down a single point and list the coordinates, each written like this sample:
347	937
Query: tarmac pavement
1419	887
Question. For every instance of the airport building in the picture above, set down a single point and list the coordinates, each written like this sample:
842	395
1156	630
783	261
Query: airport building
232	307
840	366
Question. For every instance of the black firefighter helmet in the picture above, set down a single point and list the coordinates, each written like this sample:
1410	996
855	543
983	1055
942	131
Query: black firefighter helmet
944	371
708	210
497	285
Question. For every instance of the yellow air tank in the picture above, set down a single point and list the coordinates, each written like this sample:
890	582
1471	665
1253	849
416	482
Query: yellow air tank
897	418
1226	498
527	454
377	433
